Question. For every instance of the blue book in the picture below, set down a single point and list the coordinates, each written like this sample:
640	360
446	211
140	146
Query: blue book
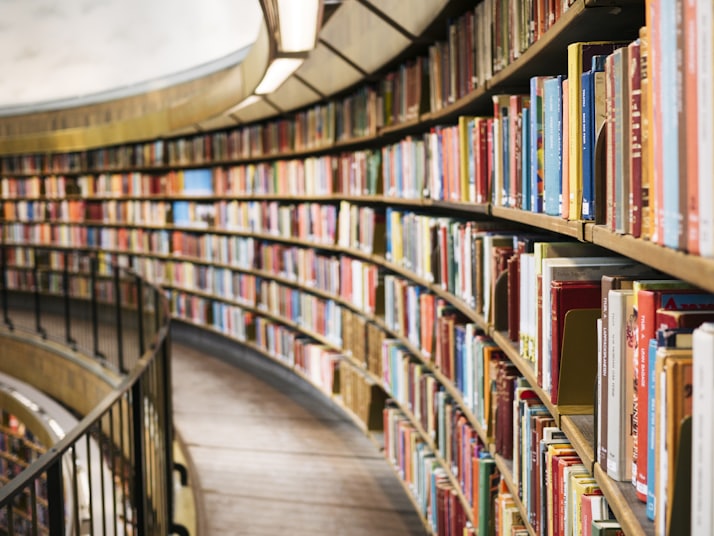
471	161
671	94
198	181
181	213
505	156
592	85
553	132
399	176
460	338
536	143
526	164
650	429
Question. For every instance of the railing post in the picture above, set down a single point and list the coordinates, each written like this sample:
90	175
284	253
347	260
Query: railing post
140	310
55	490
93	299
36	281
67	307
165	354
3	259
118	313
137	410
157	310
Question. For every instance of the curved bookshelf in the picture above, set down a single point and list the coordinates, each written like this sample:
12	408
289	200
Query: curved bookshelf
585	19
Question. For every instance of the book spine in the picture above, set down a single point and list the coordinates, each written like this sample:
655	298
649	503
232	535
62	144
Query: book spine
564	152
610	150
575	156
537	147
526	160
671	76
635	133
588	125
702	490
552	97
651	429
689	131
705	124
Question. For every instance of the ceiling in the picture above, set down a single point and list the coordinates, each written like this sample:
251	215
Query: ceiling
89	73
57	51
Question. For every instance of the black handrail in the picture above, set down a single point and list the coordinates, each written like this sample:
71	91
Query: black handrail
126	439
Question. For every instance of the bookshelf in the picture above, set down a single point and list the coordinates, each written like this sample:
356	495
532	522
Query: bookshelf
159	247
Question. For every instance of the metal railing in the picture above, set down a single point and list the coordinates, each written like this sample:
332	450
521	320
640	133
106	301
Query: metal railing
111	474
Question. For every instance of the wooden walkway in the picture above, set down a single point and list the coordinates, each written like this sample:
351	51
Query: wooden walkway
274	457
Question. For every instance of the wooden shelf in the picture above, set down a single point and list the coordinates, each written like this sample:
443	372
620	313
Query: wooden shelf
580	429
693	268
628	510
554	224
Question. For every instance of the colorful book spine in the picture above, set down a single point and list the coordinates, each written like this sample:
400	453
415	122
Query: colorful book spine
537	160
553	108
705	124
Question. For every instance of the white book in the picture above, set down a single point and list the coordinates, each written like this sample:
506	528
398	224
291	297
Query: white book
620	379
703	430
705	125
526	284
598	387
572	269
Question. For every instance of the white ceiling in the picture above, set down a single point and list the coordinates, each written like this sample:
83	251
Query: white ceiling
62	49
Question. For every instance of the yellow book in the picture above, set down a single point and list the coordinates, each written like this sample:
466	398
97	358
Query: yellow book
465	126
580	57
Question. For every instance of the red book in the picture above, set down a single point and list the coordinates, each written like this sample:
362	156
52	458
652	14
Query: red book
635	212
566	296
672	319
481	156
689	141
557	464
515	114
586	510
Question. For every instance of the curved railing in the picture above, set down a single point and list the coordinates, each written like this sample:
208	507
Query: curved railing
112	473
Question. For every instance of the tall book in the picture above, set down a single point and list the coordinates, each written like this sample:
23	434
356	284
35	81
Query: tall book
634	74
705	124
690	130
553	131
645	133
673	396
703	430
565	297
537	147
579	60
593	91
621	349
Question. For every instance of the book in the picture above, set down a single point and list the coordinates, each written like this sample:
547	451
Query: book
702	511
553	131
593	103
571	269
566	296
621	351
674	402
580	56
607	528
705	124
537	156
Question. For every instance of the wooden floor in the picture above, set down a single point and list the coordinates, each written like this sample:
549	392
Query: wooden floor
272	456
